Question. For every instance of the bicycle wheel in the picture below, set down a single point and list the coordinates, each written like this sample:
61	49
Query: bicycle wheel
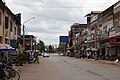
14	74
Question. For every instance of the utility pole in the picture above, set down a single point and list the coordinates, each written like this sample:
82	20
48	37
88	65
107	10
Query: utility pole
23	37
96	43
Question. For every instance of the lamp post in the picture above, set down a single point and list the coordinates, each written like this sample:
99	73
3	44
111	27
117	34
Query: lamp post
24	32
35	43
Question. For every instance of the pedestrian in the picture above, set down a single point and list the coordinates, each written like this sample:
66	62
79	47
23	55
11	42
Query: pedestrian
28	57
118	56
36	57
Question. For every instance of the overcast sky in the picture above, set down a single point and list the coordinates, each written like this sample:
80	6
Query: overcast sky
53	18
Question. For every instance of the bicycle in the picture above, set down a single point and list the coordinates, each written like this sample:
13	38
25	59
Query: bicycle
8	73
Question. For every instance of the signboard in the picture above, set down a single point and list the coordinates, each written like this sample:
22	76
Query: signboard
63	39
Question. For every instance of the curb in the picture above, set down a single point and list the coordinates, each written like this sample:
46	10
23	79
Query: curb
110	62
105	61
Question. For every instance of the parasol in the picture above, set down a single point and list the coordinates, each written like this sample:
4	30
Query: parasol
6	48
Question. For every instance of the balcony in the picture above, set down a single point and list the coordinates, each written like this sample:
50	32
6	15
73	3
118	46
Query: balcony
6	33
103	36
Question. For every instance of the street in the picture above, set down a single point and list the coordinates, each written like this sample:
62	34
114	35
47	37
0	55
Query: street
58	67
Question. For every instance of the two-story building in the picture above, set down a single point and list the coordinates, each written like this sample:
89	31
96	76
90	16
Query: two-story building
10	26
29	42
103	31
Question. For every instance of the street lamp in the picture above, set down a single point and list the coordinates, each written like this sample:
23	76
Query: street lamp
24	32
35	46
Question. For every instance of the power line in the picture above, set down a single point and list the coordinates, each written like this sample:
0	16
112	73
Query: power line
61	19
61	6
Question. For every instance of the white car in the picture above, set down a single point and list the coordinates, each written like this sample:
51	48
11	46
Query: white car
45	54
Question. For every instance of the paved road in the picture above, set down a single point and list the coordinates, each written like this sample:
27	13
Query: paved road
65	68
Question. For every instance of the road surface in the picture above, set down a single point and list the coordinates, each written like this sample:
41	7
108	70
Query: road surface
66	68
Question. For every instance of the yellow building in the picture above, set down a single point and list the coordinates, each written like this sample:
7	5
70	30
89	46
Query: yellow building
10	26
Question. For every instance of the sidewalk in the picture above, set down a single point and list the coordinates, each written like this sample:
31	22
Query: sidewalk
110	62
105	61
101	61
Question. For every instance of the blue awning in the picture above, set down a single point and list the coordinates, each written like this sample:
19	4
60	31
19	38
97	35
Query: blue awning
6	48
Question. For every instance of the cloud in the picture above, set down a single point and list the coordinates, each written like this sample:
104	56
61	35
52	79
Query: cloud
53	18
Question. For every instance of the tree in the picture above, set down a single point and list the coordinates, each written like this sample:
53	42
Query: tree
41	46
62	47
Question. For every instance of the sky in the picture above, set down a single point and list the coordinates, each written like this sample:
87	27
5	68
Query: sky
53	18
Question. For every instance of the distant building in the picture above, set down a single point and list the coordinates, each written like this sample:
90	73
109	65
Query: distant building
29	42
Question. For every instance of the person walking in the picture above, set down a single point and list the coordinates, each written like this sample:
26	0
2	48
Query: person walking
36	57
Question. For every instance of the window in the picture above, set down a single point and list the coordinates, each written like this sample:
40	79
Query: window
100	25
105	27
11	26
6	22
15	30
92	28
6	41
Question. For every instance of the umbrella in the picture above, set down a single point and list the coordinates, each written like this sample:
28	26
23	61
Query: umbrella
7	48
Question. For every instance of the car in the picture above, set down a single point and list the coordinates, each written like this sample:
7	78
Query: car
45	54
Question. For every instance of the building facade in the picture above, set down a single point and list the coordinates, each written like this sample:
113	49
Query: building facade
103	32
73	38
10	26
29	42
100	37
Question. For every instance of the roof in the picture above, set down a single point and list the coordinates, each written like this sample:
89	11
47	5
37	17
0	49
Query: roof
3	6
28	36
93	12
77	25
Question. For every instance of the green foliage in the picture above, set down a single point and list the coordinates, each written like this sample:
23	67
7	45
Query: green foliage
41	46
62	48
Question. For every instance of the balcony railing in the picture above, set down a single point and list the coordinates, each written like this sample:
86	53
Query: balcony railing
6	32
103	36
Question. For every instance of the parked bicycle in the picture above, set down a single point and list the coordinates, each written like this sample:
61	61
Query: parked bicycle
8	73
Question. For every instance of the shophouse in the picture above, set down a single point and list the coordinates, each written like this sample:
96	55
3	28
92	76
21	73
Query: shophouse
10	26
103	32
73	38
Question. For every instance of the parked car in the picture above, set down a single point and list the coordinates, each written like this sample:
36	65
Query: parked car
45	54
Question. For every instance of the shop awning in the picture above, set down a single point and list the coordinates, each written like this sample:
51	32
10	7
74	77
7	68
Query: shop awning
6	47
